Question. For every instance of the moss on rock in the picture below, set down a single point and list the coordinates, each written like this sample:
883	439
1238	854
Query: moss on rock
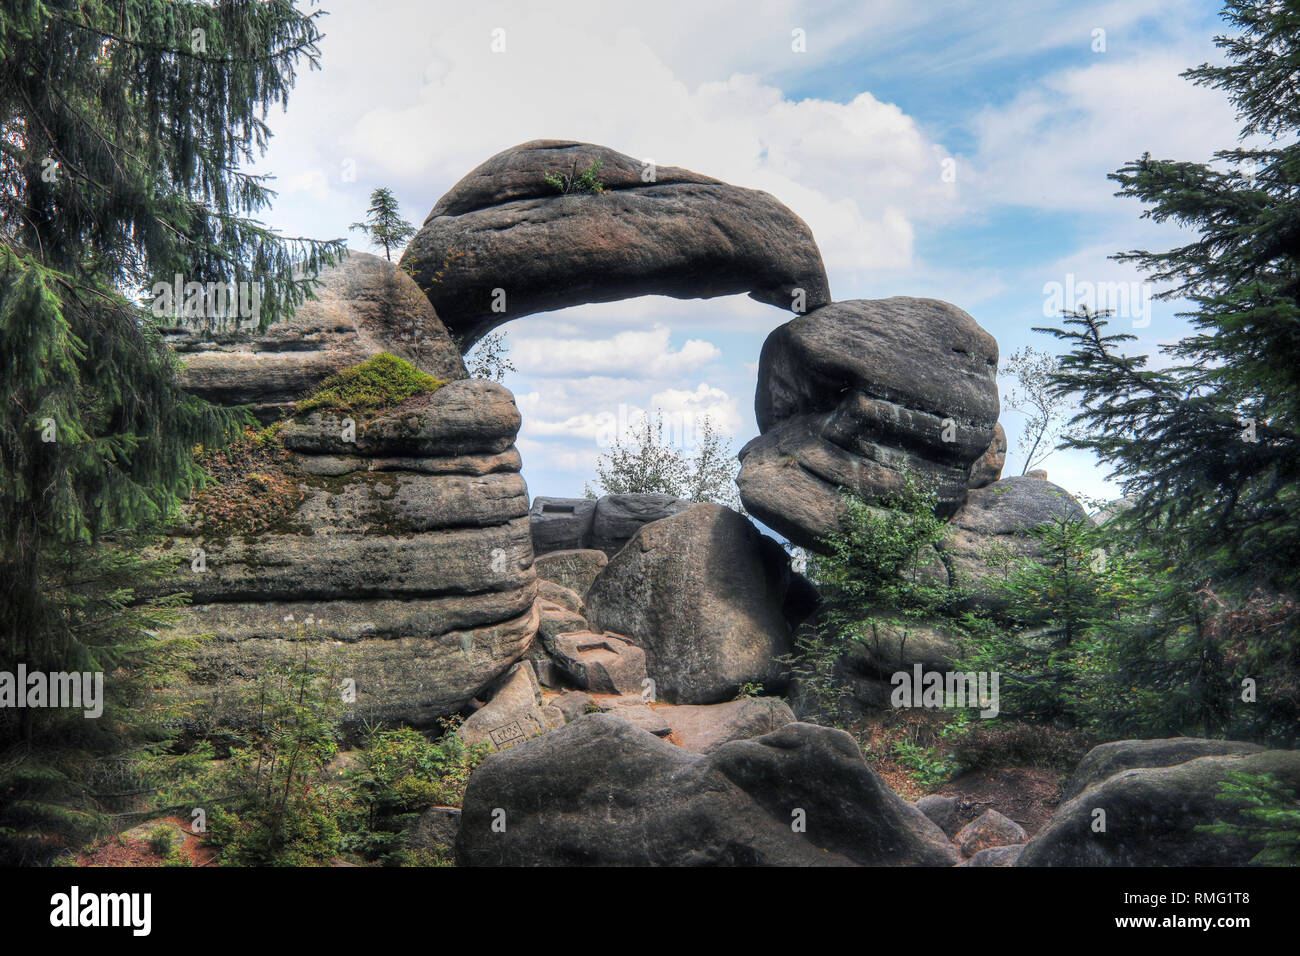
378	382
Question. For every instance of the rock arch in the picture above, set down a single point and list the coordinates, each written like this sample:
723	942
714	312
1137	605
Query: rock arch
850	394
654	231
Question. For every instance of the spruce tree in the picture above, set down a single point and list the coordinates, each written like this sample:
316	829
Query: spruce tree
384	223
1208	448
123	130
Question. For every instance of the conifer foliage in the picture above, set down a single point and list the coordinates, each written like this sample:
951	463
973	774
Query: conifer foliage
123	130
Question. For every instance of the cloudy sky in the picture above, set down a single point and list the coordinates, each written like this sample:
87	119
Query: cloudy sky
946	149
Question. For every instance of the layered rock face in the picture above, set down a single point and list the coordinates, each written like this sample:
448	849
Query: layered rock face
406	567
603	792
652	231
712	601
854	394
363	306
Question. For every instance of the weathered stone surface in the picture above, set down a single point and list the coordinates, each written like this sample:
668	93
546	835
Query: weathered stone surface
703	728
556	619
600	663
989	829
365	305
574	569
602	792
619	517
704	593
988	467
854	394
562	597
435	828
681	234
289	567
887	648
561	524
1152	816
514	713
942	811
1106	760
471	417
996	856
405	666
639	715
574	703
994	528
415	582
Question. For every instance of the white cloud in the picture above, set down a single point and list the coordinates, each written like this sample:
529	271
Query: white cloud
1053	146
647	354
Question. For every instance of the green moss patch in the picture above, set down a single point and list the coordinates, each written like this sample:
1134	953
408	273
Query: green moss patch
378	382
253	487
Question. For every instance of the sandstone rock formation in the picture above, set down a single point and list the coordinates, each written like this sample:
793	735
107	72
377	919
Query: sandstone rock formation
605	524
990	829
705	594
855	393
405	566
988	467
1152	816
514	712
1106	760
364	305
660	231
889	647
993	529
575	569
703	728
602	792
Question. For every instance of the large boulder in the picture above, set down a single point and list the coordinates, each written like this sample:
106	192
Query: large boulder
561	524
364	305
575	569
992	532
887	646
514	712
602	792
504	230
704	593
854	395
1152	816
619	517
402	562
1106	760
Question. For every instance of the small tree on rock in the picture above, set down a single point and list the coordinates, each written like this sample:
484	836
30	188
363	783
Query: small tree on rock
384	224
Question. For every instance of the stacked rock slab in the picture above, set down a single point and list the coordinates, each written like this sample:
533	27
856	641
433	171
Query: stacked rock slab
711	600
504	242
407	567
604	524
363	306
856	394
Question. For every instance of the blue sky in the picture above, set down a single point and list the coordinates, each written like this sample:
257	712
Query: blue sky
1026	105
